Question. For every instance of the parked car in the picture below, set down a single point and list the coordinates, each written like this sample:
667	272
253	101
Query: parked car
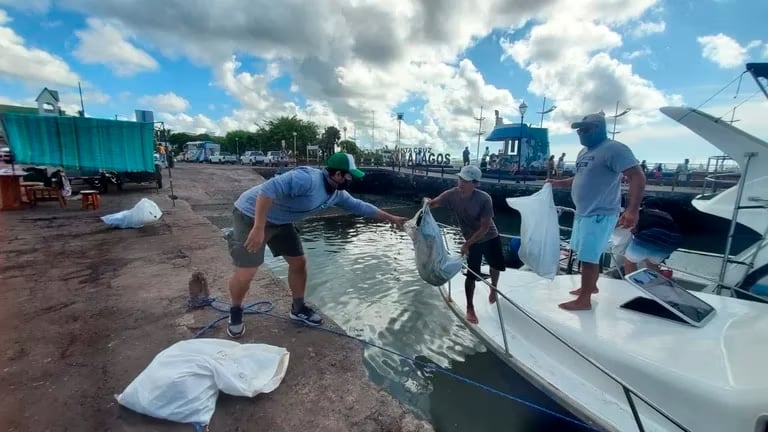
5	154
276	158
253	157
223	158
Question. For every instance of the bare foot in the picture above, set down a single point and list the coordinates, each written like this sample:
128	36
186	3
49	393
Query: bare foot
492	297
578	291
578	304
471	317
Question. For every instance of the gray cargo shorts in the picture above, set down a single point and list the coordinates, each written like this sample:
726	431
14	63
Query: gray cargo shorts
283	240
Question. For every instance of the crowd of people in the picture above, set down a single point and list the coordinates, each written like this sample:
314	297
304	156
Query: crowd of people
265	216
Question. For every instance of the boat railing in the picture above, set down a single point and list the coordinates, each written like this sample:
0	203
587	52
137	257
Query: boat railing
629	392
714	182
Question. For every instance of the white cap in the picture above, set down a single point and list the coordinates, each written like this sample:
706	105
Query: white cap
470	173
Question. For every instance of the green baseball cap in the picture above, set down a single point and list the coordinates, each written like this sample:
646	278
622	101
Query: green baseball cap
345	162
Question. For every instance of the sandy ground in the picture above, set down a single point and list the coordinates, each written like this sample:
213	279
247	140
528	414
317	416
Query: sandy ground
85	308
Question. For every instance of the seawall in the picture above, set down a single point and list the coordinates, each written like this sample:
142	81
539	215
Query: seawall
414	185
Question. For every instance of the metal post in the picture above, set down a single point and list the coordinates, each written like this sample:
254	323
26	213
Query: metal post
732	228
501	323
543	105
615	118
479	132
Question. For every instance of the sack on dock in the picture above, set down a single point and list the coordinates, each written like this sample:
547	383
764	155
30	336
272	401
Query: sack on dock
182	383
435	265
539	231
144	212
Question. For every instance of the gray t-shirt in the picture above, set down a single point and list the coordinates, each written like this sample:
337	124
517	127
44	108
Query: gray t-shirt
596	188
470	210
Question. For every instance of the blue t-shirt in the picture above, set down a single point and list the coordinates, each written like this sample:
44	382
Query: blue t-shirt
297	194
596	188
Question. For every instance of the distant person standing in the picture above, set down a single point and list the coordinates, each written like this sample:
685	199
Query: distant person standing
560	165
596	193
466	155
474	210
551	167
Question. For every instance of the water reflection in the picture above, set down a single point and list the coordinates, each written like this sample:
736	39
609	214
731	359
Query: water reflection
362	275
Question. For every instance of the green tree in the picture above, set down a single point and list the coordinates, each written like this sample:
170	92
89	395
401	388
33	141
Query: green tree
328	141
274	132
349	146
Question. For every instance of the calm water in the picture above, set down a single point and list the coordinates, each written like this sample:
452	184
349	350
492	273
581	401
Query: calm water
362	275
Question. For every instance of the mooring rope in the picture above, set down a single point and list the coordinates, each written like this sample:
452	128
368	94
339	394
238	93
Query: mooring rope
266	307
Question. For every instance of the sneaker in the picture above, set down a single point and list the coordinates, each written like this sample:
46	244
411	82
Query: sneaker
235	331
307	316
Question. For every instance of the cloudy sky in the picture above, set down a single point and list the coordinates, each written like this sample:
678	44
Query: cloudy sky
219	65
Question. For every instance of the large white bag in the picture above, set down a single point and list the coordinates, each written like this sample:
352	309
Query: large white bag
144	212
435	265
182	382
539	231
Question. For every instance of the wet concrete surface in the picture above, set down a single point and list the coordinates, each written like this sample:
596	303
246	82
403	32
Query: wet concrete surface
85	308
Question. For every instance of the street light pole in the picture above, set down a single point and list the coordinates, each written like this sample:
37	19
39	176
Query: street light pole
295	155
399	121
615	116
523	108
545	111
237	147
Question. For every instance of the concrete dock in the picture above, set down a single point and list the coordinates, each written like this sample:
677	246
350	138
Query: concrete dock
85	308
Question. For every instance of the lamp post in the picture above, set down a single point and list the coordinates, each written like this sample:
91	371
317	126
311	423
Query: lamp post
237	147
399	121
615	116
523	108
295	155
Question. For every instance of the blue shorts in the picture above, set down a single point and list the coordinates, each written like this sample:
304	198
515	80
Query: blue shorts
590	236
639	251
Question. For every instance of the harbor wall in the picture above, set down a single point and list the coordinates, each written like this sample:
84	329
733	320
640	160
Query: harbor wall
410	185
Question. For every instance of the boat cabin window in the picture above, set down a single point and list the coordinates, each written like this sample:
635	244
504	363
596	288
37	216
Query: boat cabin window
667	295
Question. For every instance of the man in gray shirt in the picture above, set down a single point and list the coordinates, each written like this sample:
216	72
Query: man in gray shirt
596	193
474	210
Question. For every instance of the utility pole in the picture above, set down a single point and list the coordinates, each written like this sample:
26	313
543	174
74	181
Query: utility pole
480	131
545	111
373	129
82	106
615	116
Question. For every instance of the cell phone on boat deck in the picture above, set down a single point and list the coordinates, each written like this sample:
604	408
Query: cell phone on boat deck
673	297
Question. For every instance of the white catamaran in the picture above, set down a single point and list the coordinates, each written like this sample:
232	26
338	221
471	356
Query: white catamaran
650	355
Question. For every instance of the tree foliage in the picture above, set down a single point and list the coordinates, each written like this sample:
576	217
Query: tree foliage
268	136
328	141
349	146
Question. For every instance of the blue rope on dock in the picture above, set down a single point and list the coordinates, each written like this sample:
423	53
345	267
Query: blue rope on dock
266	307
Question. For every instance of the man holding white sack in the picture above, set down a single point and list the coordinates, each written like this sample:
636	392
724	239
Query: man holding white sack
474	210
596	193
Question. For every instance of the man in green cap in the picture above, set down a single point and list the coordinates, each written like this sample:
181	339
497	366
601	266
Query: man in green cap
265	214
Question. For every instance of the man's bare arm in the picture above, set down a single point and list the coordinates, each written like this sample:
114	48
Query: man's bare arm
485	225
263	204
437	202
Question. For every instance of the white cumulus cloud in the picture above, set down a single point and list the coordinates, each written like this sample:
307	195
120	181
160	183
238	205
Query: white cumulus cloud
725	51
168	102
104	42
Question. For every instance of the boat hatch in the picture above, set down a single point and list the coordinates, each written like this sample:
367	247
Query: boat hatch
666	299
